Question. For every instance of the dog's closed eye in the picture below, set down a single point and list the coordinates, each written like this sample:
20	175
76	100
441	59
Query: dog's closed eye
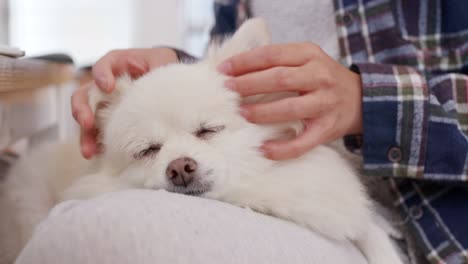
148	152
207	132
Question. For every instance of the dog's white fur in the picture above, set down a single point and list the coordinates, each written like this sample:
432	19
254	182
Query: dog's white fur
318	190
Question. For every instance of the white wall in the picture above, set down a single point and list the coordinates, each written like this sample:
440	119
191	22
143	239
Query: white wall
3	22
83	29
86	29
158	22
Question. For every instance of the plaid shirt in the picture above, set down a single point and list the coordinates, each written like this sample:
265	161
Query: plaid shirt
413	60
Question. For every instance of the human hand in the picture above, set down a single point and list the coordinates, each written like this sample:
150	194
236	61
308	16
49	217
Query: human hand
134	62
329	100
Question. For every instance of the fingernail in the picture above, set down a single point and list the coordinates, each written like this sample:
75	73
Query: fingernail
225	68
85	151
103	83
230	84
245	113
264	150
139	66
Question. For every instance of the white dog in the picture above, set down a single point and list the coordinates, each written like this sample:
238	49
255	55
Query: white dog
177	128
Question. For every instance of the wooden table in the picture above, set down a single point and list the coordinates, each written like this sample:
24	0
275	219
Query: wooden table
30	95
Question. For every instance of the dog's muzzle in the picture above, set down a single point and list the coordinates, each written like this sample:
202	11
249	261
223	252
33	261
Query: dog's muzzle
182	171
196	188
183	174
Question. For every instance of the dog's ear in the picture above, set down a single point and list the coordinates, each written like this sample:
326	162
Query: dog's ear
252	33
102	103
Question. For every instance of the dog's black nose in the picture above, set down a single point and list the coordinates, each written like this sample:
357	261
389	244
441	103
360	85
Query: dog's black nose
181	171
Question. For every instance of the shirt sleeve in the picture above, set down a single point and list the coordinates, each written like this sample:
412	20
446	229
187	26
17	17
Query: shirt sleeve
226	15
414	126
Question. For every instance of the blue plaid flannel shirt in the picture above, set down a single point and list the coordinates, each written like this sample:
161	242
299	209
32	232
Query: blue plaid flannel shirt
412	56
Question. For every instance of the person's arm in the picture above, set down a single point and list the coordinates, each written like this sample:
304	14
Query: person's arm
183	56
413	126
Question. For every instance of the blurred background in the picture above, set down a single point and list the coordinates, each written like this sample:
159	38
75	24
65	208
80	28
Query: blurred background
35	91
86	29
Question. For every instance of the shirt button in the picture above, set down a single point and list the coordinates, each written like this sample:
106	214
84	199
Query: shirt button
394	154
416	212
348	18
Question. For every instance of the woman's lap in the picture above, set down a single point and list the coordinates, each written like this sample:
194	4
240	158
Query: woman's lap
159	227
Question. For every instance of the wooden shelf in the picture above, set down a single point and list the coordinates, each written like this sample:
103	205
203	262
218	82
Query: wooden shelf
24	74
30	92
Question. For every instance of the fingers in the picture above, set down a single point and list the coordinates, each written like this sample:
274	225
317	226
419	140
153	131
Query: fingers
136	68
84	116
103	72
135	62
88	145
288	109
265	57
314	134
81	110
277	79
164	56
116	63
